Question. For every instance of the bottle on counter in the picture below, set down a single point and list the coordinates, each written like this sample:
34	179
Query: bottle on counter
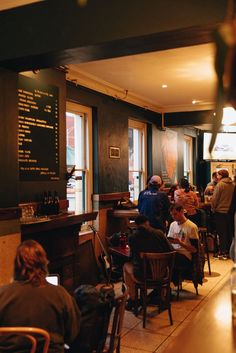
44	204
56	202
50	198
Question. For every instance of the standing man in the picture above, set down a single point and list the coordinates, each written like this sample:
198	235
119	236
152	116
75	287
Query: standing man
145	239
154	204
221	205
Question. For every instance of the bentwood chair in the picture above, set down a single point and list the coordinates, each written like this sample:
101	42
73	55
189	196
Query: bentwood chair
196	272
14	336
113	337
157	271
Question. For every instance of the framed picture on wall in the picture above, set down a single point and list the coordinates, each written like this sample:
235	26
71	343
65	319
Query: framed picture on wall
114	152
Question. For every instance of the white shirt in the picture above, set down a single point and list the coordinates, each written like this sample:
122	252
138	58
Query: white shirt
185	231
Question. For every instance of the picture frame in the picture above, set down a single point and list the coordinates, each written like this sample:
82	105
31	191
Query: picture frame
114	152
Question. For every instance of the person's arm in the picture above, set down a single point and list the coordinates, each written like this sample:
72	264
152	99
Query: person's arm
176	196
215	197
164	240
196	202
209	190
188	247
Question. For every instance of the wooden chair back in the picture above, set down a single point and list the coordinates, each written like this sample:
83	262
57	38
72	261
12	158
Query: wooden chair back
157	272
31	334
114	335
157	267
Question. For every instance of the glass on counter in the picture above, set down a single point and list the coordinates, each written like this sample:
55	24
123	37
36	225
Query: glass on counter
27	213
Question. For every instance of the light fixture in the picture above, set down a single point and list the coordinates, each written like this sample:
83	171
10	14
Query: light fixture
229	116
164	86
194	101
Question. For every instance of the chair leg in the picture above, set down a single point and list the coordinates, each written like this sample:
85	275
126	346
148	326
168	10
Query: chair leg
179	286
207	254
118	346
203	235
196	288
169	306
136	301
144	297
170	315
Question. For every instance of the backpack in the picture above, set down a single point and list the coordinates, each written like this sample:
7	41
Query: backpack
95	307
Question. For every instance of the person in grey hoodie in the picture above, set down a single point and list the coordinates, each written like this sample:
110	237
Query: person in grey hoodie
221	205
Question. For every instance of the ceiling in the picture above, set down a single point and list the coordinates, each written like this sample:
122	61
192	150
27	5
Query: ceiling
8	4
188	73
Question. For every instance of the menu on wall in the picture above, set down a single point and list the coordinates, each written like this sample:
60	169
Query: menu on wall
38	130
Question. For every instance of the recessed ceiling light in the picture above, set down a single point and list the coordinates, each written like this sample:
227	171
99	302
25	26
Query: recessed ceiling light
164	86
194	101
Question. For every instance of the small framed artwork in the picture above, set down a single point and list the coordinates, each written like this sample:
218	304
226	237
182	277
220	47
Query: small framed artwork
114	152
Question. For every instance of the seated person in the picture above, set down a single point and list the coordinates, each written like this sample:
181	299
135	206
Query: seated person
145	239
188	199
183	235
31	301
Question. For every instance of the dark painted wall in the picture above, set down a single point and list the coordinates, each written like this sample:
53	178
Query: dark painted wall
110	128
8	139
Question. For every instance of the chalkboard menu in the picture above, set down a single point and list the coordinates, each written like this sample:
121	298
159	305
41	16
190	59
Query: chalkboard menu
38	130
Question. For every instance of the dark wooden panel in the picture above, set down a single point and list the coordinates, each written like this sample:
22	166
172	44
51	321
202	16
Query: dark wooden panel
8	139
115	28
114	196
10	213
60	239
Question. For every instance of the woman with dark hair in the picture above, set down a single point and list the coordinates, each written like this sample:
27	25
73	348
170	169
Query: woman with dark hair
187	198
31	263
31	301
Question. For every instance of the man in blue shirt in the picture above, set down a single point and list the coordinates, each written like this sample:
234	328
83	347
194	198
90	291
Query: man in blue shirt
154	204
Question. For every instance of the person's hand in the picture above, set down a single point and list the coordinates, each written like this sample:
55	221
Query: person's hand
174	240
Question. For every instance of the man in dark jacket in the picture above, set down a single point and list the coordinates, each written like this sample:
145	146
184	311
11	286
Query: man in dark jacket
145	239
221	204
154	204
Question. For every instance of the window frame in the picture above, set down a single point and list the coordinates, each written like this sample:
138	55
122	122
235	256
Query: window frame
188	140
142	127
87	157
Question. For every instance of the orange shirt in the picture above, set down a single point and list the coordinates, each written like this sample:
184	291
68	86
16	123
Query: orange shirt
188	200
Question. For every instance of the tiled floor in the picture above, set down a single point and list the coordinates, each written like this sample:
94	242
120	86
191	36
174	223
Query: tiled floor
158	332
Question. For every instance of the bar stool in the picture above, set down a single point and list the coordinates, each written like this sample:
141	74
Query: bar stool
203	239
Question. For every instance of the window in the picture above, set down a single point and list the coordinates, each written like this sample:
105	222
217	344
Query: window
188	160
137	158
79	156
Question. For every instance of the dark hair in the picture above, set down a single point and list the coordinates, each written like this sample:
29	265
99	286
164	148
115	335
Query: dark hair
184	184
214	175
30	263
224	173
141	219
176	207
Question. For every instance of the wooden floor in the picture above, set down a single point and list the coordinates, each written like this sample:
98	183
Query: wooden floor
158	332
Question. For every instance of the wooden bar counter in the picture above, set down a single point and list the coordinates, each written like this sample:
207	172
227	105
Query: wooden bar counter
211	330
59	235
